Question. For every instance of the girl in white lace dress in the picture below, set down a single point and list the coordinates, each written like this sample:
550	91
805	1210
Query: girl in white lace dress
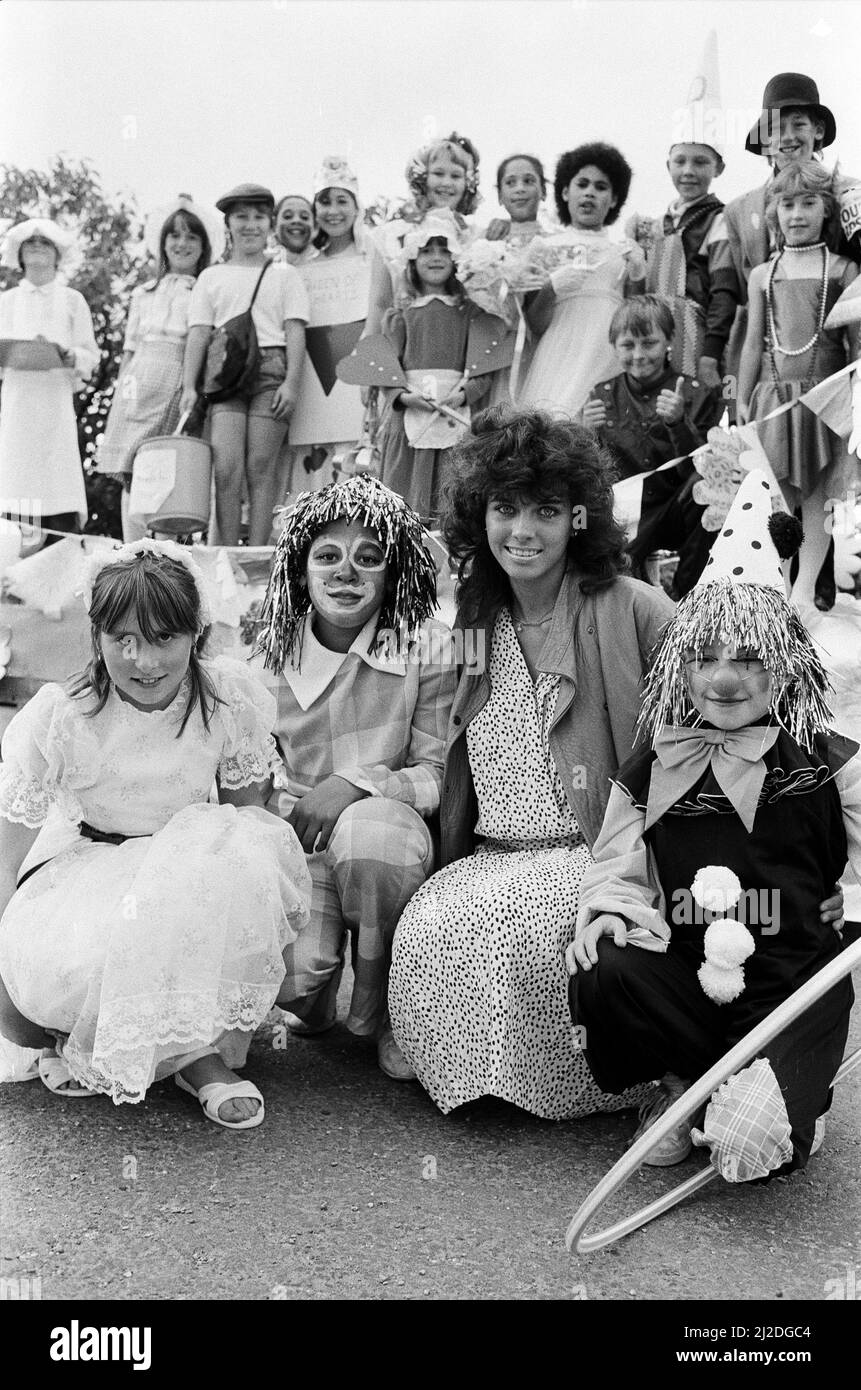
146	931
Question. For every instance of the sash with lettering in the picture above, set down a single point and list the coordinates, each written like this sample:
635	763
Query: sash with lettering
330	411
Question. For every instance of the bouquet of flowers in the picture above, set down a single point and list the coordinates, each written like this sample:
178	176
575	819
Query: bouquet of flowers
485	269
644	230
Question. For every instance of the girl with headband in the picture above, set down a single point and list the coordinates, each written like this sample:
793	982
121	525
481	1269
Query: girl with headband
143	928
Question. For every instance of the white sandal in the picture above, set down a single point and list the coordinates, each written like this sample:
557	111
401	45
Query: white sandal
54	1072
216	1093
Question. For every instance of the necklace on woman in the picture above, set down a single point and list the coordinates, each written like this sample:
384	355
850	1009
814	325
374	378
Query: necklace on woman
769	305
521	623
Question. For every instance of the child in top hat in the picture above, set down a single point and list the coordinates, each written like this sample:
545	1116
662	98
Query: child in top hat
688	258
793	127
744	810
787	351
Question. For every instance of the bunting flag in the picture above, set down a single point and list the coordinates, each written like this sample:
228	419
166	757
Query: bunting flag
490	345
373	362
728	455
327	344
837	402
327	410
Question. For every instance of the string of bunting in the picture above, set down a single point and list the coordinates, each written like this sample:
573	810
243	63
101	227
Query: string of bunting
704	448
772	415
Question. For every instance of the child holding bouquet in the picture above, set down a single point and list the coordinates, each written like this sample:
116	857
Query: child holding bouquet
495	270
586	277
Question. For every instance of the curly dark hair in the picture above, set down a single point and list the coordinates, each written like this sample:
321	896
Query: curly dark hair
606	158
514	454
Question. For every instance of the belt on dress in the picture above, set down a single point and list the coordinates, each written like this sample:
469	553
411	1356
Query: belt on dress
105	837
89	832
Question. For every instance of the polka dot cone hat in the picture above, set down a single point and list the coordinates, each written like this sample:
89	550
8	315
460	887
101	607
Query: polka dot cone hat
744	551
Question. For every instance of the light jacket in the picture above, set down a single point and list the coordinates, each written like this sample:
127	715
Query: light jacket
599	644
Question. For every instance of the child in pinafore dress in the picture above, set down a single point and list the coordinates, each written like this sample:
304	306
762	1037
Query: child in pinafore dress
746	804
429	336
787	351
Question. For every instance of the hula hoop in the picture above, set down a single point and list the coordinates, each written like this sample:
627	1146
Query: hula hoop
687	1105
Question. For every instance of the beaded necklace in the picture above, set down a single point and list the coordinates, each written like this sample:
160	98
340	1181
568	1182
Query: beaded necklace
771	332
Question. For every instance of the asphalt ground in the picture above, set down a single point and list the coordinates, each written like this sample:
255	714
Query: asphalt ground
356	1187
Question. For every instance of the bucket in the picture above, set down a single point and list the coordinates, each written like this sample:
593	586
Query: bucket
186	508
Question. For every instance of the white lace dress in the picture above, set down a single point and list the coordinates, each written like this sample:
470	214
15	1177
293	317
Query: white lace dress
478	989
149	949
575	353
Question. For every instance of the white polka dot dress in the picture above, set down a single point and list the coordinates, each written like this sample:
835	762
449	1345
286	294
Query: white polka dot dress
478	991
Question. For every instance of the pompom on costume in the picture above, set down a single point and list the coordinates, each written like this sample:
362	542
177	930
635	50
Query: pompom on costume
148	925
752	825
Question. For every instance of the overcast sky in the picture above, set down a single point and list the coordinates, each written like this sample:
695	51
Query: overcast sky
169	95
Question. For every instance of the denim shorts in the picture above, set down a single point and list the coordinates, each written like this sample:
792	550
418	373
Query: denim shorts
257	397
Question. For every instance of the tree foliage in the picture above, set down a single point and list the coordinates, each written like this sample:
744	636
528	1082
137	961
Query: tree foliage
106	263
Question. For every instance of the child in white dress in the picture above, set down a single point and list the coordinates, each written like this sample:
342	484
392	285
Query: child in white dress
146	930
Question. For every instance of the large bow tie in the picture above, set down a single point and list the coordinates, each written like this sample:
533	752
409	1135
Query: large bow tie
735	756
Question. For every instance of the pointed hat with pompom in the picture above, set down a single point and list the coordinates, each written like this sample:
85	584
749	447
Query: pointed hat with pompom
746	549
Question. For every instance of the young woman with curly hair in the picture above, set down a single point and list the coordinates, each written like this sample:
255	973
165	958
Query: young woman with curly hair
556	641
587	277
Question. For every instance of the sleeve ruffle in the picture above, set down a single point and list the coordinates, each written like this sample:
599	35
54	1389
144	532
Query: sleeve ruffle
33	759
248	715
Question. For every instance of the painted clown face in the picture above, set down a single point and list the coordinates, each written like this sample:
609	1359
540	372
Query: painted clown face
346	574
729	686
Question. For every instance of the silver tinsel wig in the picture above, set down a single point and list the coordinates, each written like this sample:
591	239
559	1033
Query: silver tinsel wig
411	590
748	616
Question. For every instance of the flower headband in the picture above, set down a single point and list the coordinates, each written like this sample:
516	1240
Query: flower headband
419	163
102	559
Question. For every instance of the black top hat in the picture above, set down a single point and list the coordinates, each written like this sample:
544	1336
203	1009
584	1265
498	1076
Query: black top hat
247	193
790	89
